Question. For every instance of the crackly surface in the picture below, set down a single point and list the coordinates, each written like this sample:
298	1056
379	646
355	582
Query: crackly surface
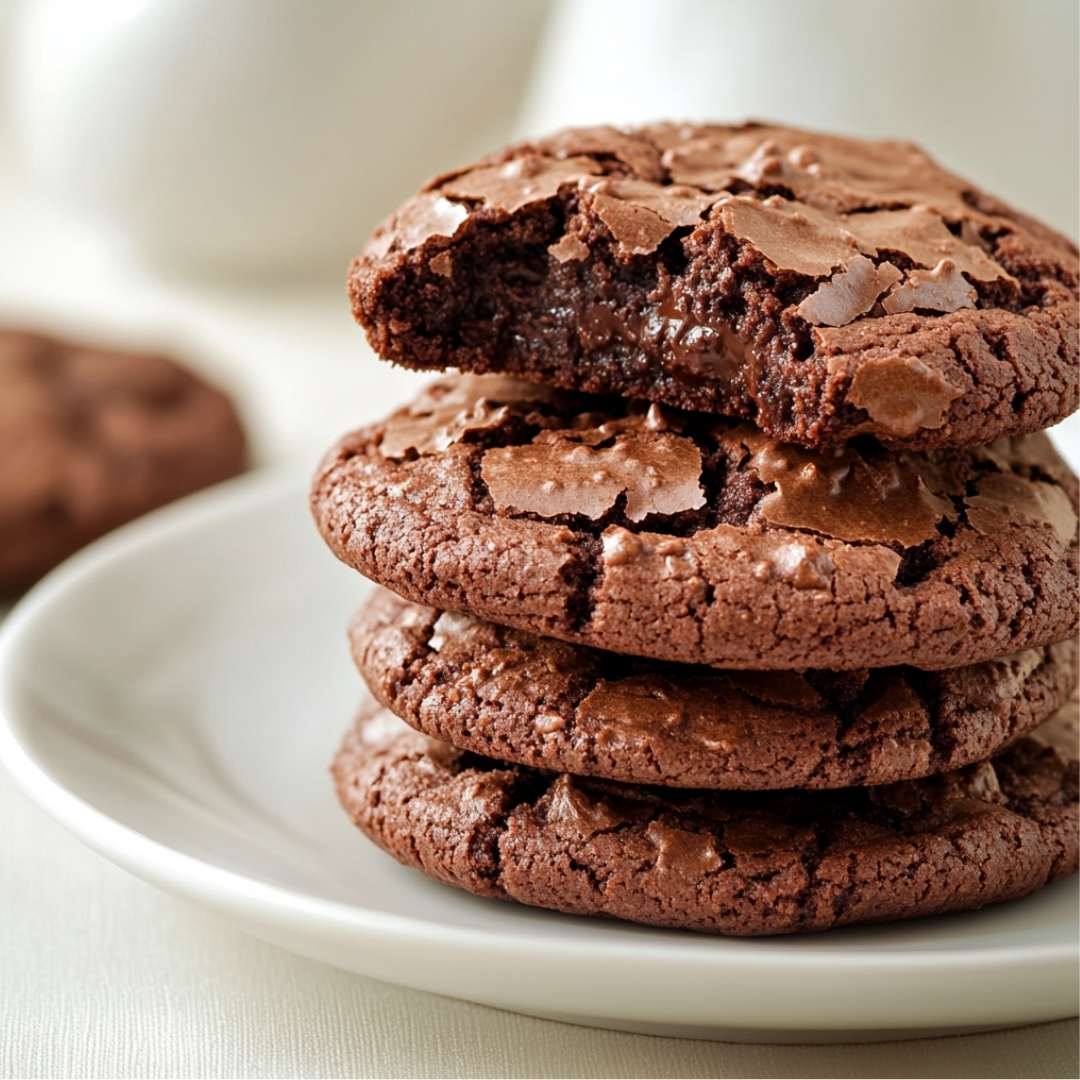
685	537
537	701
734	863
822	287
91	438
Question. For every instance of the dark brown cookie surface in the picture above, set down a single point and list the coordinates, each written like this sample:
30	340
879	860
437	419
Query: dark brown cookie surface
684	537
739	863
91	438
822	287
548	704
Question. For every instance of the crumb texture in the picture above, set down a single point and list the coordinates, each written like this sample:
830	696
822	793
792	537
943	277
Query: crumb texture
822	287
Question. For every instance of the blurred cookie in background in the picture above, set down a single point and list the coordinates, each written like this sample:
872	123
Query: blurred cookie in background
92	437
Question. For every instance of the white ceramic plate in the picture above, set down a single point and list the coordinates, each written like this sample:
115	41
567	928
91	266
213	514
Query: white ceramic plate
173	696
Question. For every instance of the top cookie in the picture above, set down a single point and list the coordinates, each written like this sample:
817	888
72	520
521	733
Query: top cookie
824	287
91	438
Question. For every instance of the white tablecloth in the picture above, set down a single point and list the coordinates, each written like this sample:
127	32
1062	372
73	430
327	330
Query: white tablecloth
101	975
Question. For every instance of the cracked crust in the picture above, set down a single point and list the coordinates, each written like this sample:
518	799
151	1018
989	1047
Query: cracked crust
951	558
747	863
547	704
615	262
91	438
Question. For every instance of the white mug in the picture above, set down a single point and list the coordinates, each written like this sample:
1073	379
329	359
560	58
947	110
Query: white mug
258	135
987	86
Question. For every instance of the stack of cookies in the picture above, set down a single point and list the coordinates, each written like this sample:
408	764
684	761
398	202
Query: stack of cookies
733	588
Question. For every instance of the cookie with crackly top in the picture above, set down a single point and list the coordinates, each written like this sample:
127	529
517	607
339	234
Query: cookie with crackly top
682	536
553	705
740	863
823	287
91	438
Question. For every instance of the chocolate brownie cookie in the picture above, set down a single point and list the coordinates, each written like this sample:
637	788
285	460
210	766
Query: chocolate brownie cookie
537	701
91	438
735	863
685	537
822	287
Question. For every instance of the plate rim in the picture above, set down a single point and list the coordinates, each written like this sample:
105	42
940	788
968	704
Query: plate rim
167	867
